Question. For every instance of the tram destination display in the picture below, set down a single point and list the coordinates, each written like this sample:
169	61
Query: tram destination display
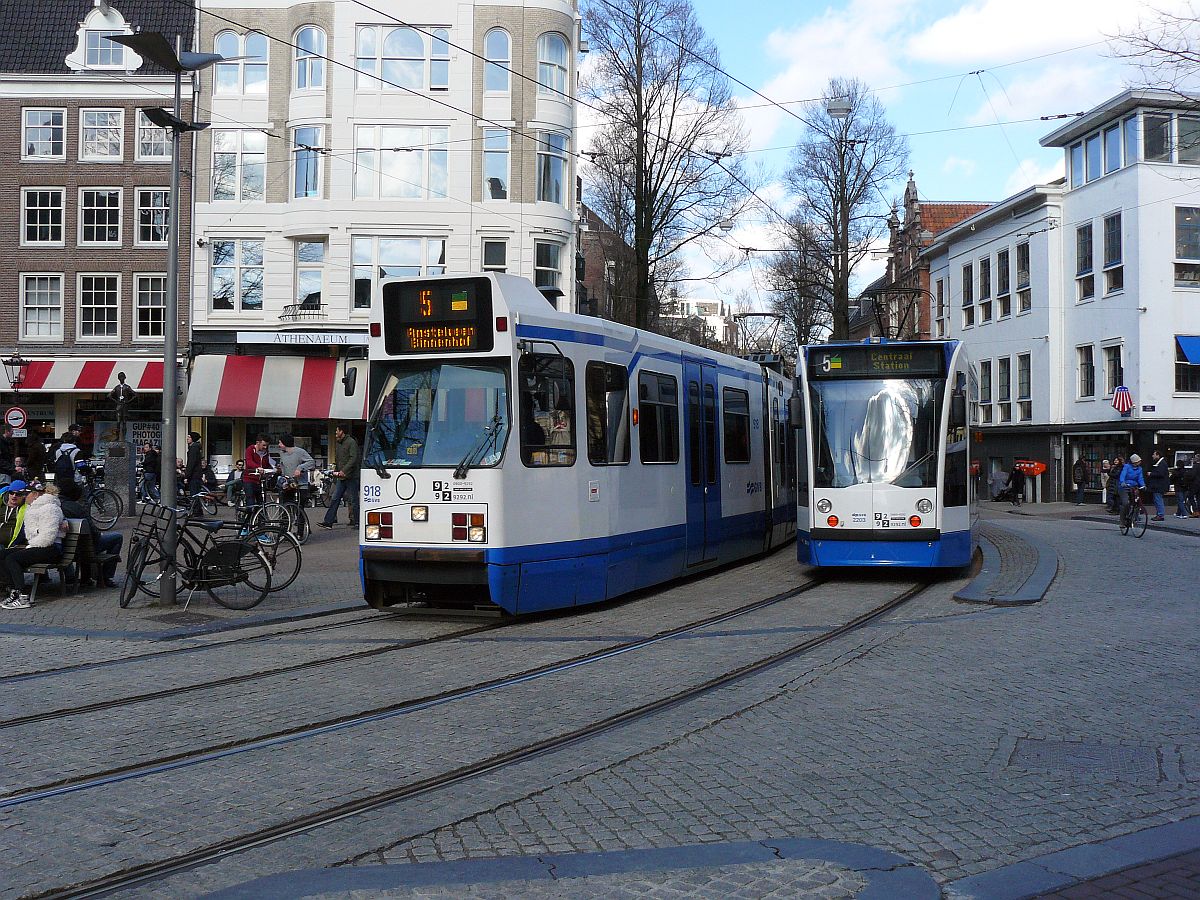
877	361
452	316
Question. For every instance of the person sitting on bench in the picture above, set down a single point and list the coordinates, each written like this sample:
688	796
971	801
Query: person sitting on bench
103	542
44	528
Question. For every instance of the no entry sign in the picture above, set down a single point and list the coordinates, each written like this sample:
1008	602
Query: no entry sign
15	417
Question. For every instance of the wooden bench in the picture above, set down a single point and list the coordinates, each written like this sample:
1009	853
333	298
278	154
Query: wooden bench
77	530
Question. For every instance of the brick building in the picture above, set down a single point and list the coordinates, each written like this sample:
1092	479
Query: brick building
83	255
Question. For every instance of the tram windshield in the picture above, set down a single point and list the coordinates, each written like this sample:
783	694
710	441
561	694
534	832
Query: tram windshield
440	414
876	431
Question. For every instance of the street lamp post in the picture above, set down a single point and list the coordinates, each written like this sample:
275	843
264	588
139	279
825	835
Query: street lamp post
153	46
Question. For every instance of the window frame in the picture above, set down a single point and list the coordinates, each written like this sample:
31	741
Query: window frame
61	241
1113	380
309	61
613	455
115	307
496	63
552	158
553	75
25	126
85	157
243	65
1085	368
1114	265
239	267
23	325
432	161
304	267
81	208
744	441
1185	372
103	46
145	125
1024	286
527	417
1182	261
491	153
374	264
139	224
1024	387
239	154
1085	263
484	265
313	159
137	307
651	409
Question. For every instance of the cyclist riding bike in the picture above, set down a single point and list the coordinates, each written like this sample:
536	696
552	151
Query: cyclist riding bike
1131	477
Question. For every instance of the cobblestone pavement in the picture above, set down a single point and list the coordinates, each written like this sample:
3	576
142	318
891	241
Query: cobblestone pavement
962	739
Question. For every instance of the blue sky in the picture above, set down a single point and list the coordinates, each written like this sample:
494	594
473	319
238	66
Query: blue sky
915	54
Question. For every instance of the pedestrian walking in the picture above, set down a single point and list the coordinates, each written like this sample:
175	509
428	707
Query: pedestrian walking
1181	479
346	459
193	473
151	461
1158	482
1113	484
258	464
1081	474
1016	483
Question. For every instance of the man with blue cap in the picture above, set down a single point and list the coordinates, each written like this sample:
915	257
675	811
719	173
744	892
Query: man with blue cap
12	514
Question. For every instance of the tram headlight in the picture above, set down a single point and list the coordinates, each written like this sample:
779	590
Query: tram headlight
924	506
372	532
824	506
420	513
477	534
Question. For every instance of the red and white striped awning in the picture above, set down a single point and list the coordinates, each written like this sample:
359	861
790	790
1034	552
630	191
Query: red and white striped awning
88	375
273	387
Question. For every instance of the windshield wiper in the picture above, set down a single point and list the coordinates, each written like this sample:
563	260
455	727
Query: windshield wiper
486	440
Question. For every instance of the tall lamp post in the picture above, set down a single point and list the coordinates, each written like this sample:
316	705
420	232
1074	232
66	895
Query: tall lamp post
153	46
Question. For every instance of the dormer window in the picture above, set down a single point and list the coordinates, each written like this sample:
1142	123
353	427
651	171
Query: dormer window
93	49
101	53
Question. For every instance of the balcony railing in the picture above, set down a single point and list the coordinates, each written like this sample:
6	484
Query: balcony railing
305	311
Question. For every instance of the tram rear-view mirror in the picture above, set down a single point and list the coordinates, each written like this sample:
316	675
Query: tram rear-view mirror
958	410
350	380
796	411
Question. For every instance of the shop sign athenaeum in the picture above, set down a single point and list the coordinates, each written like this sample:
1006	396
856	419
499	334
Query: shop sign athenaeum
302	338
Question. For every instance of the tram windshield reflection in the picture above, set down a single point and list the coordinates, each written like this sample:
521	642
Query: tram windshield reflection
876	431
437	415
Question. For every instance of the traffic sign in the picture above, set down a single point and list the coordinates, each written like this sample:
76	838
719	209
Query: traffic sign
15	417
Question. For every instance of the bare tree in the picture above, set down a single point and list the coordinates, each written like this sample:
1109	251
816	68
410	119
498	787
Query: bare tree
798	280
664	174
1167	50
839	172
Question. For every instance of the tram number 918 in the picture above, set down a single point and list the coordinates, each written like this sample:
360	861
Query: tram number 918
372	493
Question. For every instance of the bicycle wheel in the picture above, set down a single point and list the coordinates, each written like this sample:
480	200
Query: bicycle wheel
301	527
236	574
272	514
104	508
1141	519
150	580
135	564
283	554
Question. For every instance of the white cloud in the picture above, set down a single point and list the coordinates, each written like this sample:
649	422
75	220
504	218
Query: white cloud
954	164
1030	172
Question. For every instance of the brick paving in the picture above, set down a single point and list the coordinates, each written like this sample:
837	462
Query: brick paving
1175	878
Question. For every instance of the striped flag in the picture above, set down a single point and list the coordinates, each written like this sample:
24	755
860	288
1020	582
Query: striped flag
1122	400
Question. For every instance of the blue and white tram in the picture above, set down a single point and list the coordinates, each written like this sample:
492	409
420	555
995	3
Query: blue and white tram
525	459
888	479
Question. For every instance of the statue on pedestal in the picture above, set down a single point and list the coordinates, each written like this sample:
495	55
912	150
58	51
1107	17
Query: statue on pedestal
122	395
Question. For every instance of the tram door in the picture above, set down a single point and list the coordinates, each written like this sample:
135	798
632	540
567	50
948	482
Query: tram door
703	471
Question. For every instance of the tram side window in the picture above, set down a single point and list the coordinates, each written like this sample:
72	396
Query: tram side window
658	418
736	407
954	488
547	383
606	390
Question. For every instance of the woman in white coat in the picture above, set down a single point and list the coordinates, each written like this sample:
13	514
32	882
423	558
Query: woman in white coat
44	527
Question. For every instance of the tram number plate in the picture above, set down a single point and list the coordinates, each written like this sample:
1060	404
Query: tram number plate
882	520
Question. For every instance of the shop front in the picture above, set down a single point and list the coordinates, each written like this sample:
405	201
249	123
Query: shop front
232	399
1098	449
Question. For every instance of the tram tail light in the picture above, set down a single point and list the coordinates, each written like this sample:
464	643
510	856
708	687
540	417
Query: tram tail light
470	527
379	526
914	521
501	323
832	521
376	329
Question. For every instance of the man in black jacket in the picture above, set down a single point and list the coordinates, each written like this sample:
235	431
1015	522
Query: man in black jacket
192	468
1158	482
151	463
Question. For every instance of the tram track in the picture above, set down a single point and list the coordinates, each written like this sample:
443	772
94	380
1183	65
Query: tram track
140	874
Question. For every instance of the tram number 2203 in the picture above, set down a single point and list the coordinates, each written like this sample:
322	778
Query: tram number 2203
372	493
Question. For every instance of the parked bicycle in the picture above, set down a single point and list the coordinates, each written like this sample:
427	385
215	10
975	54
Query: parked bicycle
292	497
1134	518
234	570
103	506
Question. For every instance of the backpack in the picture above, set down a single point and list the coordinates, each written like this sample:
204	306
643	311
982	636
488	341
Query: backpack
64	467
1079	473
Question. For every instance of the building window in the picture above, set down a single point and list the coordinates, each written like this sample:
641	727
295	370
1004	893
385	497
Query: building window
985	391
153	143
439	60
388	257
99	306
101	133
735	411
552	65
495	256
1112	149
1187	246
546	272
42	216
658	418
245	76
1024	294
44	134
1187	371
306	161
1024	397
1091	152
1156	137
552	167
940	295
237	275
1085	281
985	289
239	165
41	306
100	216
1114	272
606	393
150	297
310	273
1086	363
1130	130
1189	140
395	59
1077	164
968	295
495	163
310	66
497	51
1114	374
1003	298
1004	388
154	215
101	53
400	161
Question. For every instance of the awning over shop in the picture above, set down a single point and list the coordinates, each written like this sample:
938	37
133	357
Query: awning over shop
81	376
1190	345
273	387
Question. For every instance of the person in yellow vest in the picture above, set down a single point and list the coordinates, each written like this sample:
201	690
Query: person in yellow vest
12	514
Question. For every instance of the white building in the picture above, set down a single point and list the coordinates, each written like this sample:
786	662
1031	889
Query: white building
352	145
714	316
1066	292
